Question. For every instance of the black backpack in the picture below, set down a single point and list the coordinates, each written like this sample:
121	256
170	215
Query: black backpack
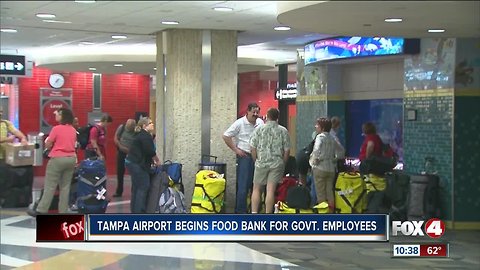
83	135
303	155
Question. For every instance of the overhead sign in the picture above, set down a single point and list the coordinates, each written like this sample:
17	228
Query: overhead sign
12	65
290	92
50	101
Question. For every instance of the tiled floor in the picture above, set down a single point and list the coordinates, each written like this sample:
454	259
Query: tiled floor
19	249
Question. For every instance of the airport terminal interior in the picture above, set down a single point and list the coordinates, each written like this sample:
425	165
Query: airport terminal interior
410	67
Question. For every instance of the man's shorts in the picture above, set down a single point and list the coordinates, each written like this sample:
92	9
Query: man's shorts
262	175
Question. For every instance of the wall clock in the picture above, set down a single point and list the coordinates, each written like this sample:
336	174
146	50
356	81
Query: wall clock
56	80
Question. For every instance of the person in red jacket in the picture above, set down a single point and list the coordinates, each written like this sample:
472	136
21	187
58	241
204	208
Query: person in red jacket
372	144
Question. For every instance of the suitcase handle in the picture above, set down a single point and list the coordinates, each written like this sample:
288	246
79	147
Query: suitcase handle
210	156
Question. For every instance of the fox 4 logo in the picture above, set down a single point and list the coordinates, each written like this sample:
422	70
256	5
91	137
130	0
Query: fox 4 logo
434	228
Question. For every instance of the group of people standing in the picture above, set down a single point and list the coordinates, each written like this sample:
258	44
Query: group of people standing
135	150
263	149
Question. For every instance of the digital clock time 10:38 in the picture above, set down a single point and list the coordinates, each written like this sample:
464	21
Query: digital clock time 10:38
406	250
420	250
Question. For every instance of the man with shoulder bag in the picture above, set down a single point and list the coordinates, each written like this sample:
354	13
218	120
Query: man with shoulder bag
123	140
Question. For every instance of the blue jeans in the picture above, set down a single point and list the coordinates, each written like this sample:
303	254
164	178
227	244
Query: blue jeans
245	169
140	186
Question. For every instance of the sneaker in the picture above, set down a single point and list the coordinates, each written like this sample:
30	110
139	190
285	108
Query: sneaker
32	212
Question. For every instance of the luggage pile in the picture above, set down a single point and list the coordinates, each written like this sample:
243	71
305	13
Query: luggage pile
293	197
402	196
165	195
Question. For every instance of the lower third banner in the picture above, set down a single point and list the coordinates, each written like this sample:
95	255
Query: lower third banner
227	227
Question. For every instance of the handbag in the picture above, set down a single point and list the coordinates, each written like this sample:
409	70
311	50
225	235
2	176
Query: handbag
46	152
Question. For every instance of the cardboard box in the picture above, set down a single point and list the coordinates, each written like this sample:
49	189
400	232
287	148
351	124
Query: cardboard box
17	154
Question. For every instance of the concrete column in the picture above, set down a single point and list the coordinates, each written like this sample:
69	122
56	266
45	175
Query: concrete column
199	100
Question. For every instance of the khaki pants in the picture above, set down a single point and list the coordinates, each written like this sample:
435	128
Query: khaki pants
324	185
59	172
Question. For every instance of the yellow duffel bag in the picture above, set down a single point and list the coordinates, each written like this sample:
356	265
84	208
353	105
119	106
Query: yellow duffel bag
321	208
350	193
374	182
208	193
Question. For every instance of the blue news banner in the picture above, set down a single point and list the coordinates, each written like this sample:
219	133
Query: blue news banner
230	227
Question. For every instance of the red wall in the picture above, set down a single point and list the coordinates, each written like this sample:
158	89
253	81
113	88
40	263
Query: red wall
122	96
254	89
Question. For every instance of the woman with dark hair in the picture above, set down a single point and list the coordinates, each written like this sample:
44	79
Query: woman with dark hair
61	142
372	144
139	159
97	141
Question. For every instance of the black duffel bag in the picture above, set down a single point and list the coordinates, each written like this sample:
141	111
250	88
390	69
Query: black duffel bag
378	165
298	197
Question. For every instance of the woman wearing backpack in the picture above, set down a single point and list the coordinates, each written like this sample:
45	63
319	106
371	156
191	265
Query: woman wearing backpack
139	159
96	146
371	146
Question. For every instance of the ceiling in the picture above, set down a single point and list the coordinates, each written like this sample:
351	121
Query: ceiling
59	45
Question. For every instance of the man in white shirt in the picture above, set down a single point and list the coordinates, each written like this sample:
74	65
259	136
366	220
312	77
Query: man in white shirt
242	130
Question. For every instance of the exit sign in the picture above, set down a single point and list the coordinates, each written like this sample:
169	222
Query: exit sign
12	65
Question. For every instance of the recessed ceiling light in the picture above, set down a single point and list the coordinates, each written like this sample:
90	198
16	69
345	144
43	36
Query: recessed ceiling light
45	15
227	9
130	72
55	21
118	65
8	30
85	2
282	28
154	68
119	37
393	20
92	68
170	22
436	30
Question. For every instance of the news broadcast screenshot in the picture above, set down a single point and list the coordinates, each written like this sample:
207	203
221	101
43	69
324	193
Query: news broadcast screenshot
167	221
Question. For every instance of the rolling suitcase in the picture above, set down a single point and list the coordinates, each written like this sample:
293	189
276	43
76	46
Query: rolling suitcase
159	181
423	200
397	194
16	186
92	187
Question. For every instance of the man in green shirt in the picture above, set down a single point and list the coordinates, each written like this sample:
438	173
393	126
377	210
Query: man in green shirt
270	147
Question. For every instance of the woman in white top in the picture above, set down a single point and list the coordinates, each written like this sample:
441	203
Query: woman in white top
323	160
